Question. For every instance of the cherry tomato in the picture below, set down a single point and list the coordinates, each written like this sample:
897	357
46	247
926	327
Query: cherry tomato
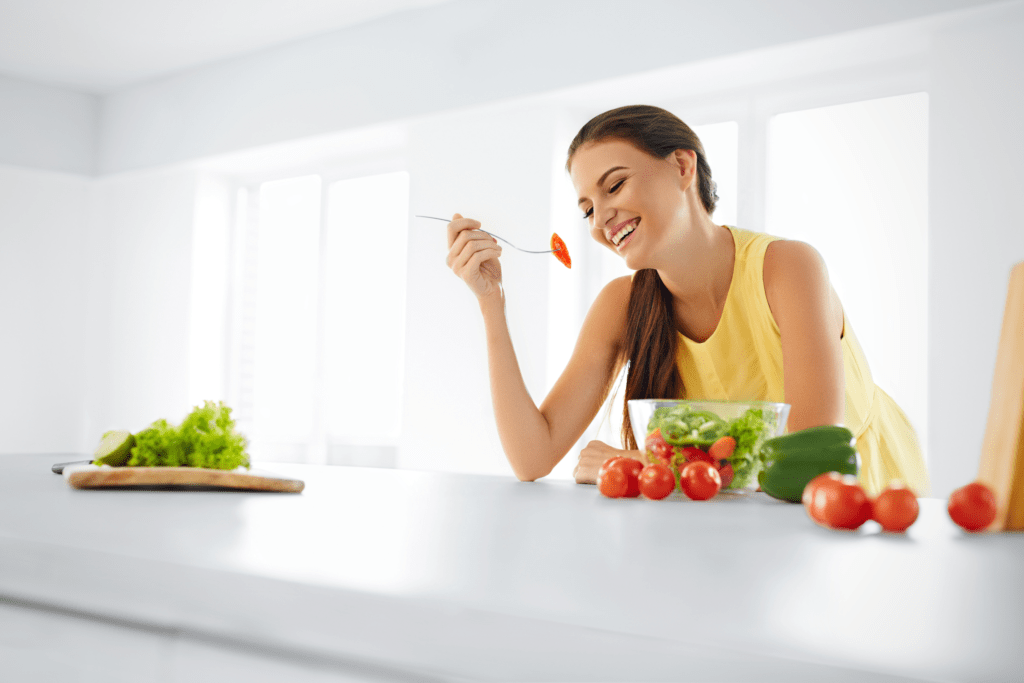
837	501
808	496
973	507
656	481
630	467
722	448
614	461
694	454
725	471
656	445
607	464
700	480
895	508
612	483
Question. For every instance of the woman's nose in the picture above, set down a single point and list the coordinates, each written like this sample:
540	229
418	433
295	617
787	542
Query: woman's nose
603	215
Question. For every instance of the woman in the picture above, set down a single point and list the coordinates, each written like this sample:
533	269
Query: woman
712	312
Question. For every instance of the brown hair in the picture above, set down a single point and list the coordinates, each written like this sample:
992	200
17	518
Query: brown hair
649	349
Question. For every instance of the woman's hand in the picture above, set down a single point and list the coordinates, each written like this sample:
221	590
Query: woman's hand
593	456
473	256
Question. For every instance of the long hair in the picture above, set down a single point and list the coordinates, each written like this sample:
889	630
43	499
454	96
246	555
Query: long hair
649	349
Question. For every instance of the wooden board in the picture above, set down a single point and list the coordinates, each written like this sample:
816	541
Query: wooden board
93	476
1002	454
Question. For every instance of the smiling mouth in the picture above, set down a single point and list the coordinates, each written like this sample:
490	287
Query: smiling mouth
625	232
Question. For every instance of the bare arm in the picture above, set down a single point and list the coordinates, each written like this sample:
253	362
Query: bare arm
810	319
536	439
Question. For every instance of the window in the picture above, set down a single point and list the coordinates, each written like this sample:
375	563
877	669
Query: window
852	180
318	308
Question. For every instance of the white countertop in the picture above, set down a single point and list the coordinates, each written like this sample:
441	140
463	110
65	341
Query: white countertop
472	577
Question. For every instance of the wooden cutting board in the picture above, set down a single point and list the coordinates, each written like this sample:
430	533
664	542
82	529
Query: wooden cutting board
93	476
1002	451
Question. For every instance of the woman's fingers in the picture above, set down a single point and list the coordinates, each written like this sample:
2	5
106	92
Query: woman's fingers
592	456
472	256
467	244
458	225
467	237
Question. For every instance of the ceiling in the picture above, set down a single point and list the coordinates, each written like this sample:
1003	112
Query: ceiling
100	46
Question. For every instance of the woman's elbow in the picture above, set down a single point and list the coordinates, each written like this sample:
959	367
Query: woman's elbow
530	472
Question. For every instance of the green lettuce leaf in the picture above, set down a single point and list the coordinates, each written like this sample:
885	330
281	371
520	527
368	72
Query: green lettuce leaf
205	438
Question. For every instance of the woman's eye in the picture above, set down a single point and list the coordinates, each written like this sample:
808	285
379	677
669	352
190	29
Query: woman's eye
588	212
616	186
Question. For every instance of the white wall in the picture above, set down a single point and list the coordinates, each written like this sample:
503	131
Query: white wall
44	323
977	225
472	163
450	56
141	232
48	128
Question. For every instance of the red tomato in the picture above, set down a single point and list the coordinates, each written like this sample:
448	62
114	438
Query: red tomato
656	445
694	454
895	508
657	481
631	468
612	483
837	501
606	465
726	473
973	507
808	497
700	480
722	448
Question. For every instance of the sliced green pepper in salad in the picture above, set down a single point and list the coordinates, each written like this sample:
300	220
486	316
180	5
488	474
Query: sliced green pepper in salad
683	425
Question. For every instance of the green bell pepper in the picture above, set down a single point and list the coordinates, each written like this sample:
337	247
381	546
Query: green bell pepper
792	460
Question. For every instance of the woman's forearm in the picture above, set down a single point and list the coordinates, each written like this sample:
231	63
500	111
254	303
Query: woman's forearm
524	432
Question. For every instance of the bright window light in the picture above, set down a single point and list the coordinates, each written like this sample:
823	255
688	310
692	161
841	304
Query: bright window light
721	145
365	317
286	311
852	180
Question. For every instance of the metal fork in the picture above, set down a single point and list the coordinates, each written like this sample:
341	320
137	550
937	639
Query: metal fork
549	251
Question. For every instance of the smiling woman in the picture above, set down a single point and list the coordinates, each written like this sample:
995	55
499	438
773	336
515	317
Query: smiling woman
712	312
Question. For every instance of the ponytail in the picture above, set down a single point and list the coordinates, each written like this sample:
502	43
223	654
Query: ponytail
650	346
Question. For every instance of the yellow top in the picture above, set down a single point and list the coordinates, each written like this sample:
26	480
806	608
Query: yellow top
742	361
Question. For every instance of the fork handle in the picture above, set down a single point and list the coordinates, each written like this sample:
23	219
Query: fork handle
527	251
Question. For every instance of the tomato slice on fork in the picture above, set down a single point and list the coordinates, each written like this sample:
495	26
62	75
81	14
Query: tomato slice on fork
560	250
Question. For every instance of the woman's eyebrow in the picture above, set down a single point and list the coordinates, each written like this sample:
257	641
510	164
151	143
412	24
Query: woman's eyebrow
601	180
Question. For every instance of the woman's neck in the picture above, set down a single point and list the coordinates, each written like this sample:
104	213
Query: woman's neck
700	280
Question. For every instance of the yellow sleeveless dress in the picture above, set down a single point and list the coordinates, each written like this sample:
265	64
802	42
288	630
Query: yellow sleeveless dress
742	361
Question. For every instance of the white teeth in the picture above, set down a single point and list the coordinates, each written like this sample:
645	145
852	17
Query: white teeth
621	234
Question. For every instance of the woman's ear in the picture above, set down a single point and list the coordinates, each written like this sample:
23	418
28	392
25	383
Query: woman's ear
685	161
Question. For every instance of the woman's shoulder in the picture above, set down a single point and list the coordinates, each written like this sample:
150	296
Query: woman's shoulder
615	294
791	261
608	314
795	277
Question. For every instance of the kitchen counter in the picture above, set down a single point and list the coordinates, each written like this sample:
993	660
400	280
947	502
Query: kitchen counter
373	574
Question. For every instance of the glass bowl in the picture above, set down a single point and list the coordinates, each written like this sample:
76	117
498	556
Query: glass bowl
701	423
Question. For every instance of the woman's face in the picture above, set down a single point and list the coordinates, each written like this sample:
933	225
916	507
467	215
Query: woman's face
631	199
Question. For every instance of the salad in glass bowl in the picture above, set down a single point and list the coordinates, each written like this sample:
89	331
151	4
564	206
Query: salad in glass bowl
727	434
